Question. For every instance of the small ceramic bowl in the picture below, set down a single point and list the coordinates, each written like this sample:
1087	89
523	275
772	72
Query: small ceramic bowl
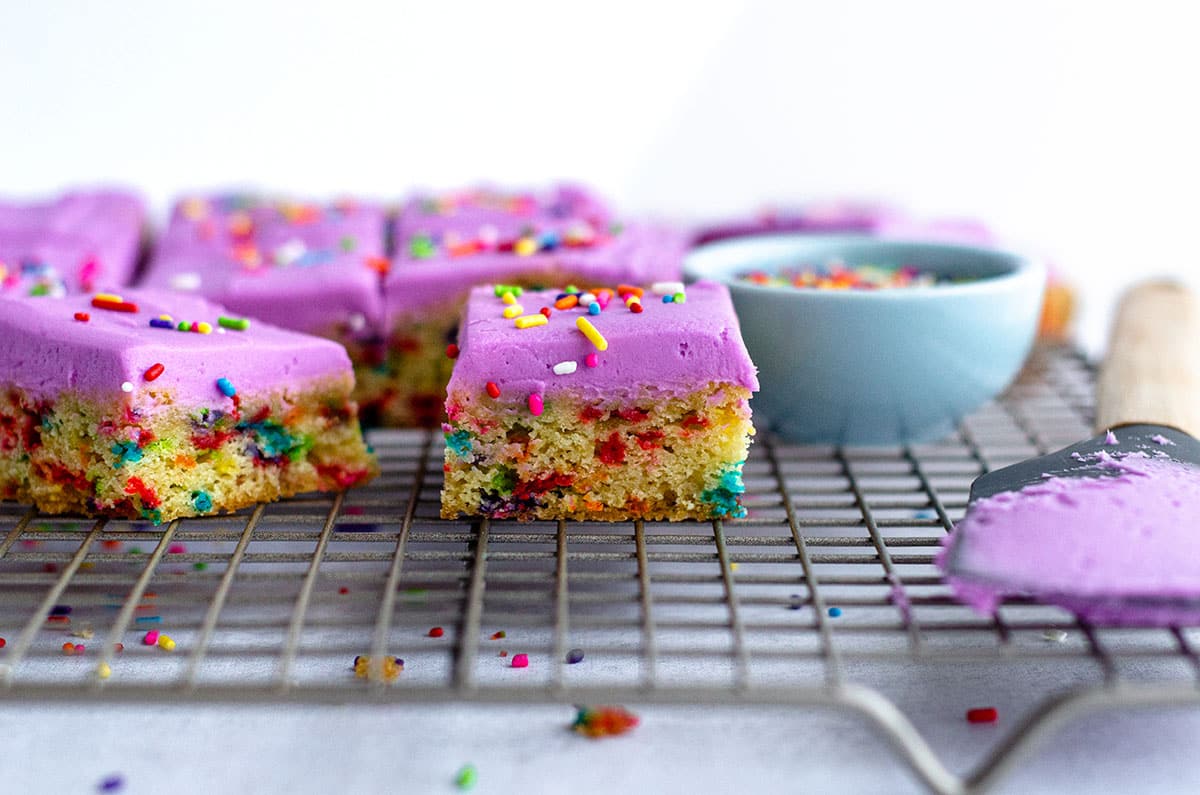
873	367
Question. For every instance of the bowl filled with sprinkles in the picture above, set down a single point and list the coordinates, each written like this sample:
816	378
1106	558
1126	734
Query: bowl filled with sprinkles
865	341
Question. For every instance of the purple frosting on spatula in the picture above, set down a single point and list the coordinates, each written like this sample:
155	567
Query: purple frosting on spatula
1119	547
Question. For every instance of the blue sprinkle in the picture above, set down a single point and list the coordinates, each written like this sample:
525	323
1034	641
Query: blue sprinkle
834	612
60	610
148	620
113	783
460	443
226	388
158	322
574	656
594	308
724	496
668	299
129	452
201	501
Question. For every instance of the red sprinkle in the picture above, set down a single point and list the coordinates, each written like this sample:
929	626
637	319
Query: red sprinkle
520	661
343	590
452	351
3	643
982	715
436	632
82	317
493	390
153	371
114	306
545	310
635	308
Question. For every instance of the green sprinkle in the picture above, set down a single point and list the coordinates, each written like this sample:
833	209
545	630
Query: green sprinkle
184	326
235	323
571	289
421	247
200	566
466	777
348	244
40	289
135	550
679	298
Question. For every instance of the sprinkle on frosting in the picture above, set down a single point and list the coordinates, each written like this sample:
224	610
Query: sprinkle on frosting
235	323
492	390
529	321
536	407
227	389
82	317
153	371
592	333
565	368
113	303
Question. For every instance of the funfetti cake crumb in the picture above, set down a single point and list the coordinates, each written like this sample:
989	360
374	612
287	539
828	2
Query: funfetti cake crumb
613	404
148	404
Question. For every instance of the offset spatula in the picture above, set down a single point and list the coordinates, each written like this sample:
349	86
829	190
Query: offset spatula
1110	527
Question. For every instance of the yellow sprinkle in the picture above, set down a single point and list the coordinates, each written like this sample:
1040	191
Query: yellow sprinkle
589	331
167	318
166	643
529	321
103	670
108	297
525	246
508	298
204	328
514	310
632	299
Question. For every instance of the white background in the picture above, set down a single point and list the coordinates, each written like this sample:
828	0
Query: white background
1071	127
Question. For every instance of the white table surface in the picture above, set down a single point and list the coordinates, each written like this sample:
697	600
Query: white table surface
189	748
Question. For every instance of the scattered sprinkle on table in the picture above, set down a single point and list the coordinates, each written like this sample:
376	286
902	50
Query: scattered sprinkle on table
598	722
834	612
574	656
436	632
837	275
113	783
982	715
520	661
1054	635
495	635
466	777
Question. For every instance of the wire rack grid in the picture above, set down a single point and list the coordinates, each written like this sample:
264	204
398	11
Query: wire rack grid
828	581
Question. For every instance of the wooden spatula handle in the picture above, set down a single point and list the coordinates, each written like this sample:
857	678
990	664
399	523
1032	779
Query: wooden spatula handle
1152	371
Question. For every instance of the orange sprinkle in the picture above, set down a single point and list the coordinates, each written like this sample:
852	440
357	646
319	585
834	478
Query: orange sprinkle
567	302
380	265
625	289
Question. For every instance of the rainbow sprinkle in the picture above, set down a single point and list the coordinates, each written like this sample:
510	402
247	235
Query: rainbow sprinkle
837	275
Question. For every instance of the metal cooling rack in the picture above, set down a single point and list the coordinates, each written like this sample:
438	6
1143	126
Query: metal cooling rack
274	604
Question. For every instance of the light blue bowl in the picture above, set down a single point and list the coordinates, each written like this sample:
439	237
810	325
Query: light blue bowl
884	366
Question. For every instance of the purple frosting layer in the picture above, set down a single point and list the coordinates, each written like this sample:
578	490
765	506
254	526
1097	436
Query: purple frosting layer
505	211
302	266
1118	549
673	347
82	240
44	350
635	255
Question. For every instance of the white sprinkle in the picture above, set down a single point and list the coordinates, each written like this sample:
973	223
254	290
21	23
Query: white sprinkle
220	329
666	288
289	252
587	299
1054	635
127	386
185	281
357	321
565	368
